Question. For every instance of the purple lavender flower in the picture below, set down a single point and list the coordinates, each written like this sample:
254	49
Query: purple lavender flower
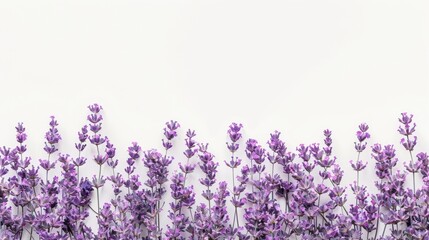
169	133
362	135
21	137
407	130
95	119
189	153
52	137
85	188
80	160
328	142
359	165
209	168
220	214
294	203
234	135
184	197
110	154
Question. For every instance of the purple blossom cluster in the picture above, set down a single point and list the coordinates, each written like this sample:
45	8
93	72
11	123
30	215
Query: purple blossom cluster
274	192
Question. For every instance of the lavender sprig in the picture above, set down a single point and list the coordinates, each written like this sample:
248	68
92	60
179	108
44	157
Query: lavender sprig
234	135
362	135
52	138
407	130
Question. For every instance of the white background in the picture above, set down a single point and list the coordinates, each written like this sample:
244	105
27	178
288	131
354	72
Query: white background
296	66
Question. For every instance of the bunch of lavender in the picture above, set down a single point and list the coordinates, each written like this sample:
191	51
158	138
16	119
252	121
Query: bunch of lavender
20	188
310	189
183	195
220	226
157	165
256	214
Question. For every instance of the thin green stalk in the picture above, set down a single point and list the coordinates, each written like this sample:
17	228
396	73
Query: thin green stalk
378	220
99	181
251	173
98	201
235	207
78	156
99	173
93	210
184	179
157	212
22	216
158	207
384	230
412	163
357	172
272	175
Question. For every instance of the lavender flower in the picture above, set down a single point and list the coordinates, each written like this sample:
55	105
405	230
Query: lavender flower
169	133
52	137
235	135
362	135
290	201
407	130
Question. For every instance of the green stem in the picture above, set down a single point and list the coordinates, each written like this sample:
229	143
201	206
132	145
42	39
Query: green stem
272	175
251	173
98	201
99	173
235	207
384	230
412	163
22	216
378	219
357	173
